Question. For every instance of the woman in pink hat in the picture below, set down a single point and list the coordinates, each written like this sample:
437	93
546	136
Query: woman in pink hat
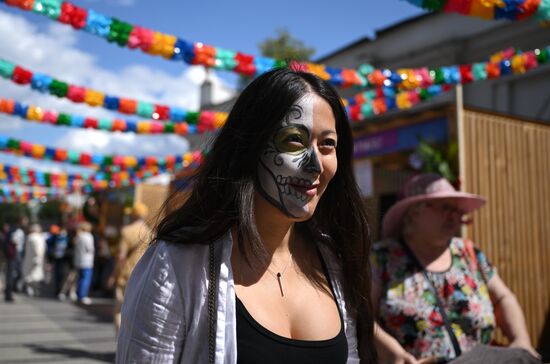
438	296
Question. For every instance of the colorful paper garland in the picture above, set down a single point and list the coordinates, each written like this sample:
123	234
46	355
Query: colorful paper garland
17	194
171	47
52	117
72	182
430	83
41	152
490	9
199	120
503	63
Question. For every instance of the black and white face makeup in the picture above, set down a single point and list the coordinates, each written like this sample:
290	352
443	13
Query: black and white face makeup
289	165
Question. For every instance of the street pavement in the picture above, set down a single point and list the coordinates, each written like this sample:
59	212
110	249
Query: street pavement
45	330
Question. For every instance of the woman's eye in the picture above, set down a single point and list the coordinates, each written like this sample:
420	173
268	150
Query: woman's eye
328	144
294	139
290	140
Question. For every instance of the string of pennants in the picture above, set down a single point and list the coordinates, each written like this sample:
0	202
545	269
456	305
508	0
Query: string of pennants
84	182
18	194
78	94
490	9
432	82
171	47
100	161
52	117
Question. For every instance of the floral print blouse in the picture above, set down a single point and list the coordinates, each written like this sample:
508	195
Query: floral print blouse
408	309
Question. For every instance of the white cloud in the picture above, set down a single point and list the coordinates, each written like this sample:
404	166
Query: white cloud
54	52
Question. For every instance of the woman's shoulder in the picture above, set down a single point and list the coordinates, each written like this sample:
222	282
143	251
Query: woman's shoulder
181	254
176	252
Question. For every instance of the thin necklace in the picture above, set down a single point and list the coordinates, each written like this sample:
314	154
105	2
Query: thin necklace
279	275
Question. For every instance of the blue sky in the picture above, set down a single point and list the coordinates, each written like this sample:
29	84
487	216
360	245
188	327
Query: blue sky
44	46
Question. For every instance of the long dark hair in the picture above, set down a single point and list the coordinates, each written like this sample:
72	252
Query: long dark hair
222	192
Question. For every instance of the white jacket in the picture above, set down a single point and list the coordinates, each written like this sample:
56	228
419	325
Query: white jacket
33	261
84	250
165	310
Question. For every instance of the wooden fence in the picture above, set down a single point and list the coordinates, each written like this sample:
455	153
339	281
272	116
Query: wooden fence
508	161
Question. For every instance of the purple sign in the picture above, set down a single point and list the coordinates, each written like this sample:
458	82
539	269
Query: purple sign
371	144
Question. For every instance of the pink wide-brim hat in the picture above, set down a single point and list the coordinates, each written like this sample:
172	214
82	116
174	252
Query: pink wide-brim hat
422	188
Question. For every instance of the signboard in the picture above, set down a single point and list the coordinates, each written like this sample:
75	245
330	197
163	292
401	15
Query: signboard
403	138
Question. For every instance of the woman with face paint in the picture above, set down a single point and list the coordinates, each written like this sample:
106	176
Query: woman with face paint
267	261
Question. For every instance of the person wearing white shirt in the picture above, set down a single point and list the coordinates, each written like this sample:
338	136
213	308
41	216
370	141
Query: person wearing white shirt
84	260
33	261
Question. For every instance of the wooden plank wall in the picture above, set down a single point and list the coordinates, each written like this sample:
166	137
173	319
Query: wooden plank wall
508	161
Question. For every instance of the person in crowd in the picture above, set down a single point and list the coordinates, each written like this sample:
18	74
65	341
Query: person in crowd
9	250
18	238
71	222
58	242
84	261
438	295
133	241
50	241
34	260
103	265
267	259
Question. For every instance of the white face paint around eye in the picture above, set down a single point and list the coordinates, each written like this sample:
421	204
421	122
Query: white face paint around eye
289	165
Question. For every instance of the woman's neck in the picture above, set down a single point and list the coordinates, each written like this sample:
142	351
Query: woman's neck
277	239
276	230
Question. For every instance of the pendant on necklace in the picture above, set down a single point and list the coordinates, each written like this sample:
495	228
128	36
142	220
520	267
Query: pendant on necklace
279	280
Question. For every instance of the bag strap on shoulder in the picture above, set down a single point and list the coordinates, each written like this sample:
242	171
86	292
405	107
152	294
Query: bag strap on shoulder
213	267
439	304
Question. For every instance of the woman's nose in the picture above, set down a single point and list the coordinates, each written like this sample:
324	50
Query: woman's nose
312	164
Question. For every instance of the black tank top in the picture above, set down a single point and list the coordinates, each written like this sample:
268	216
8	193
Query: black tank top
256	344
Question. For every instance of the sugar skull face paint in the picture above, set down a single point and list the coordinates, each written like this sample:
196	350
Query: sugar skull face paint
291	169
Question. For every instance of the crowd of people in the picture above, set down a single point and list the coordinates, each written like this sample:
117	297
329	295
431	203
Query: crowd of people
71	260
57	262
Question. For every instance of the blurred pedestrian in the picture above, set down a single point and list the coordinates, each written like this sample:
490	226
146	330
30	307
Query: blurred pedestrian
34	260
57	248
10	253
84	261
103	266
133	241
18	236
68	289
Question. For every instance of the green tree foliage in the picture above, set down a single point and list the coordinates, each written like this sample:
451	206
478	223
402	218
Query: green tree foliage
50	211
439	160
11	212
285	47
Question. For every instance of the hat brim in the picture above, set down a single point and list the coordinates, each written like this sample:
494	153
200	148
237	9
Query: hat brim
391	224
